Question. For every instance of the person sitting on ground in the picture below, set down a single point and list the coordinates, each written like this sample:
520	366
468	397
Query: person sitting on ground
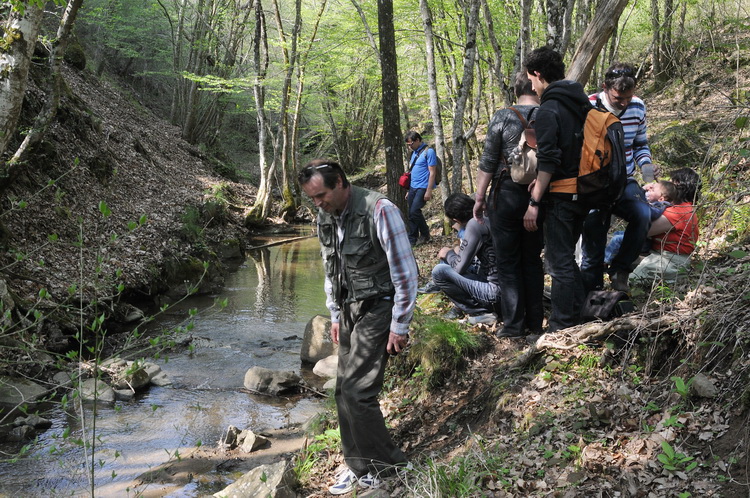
474	294
660	195
674	234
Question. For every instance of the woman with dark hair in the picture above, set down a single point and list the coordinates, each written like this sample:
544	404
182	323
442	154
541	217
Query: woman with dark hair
673	234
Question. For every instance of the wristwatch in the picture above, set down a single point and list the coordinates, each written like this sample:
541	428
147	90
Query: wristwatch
532	202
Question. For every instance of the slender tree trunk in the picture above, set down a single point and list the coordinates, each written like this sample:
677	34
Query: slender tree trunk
555	23
437	119
394	164
656	60
20	32
467	81
47	114
667	47
259	211
283	135
301	68
567	26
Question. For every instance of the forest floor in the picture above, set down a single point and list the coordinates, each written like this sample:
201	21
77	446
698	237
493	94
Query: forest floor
601	418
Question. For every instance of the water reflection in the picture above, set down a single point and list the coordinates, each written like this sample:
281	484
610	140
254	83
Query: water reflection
271	298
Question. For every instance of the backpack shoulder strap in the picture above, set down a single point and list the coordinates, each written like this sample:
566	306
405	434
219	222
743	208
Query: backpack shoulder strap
524	123
531	113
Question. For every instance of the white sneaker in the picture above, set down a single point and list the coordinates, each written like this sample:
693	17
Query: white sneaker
345	483
370	481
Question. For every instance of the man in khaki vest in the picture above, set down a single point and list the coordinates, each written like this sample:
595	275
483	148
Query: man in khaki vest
371	287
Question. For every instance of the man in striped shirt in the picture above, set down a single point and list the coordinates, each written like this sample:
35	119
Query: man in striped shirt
371	288
617	96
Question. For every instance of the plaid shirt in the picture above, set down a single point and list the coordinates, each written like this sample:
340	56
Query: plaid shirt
393	237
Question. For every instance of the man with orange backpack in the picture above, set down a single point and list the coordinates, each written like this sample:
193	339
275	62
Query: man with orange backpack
580	165
617	97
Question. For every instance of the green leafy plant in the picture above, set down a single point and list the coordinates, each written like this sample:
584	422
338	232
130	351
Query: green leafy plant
305	461
681	387
674	461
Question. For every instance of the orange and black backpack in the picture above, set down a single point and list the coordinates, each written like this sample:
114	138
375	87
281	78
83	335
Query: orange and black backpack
602	170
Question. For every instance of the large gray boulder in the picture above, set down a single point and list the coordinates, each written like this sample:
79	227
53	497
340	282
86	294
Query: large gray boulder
317	344
17	391
265	380
274	481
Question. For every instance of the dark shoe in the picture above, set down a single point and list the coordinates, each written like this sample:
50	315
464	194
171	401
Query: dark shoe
532	338
429	288
454	314
422	240
508	334
619	281
485	318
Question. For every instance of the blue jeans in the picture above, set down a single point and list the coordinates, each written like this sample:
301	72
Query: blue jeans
631	207
417	223
562	228
469	292
519	260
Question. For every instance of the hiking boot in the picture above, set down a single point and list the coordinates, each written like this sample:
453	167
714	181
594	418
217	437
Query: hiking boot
485	318
370	481
422	240
509	334
345	483
619	281
454	314
429	288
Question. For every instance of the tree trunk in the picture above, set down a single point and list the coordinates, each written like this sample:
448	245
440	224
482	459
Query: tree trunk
656	62
290	194
555	24
392	137
259	211
47	114
437	119
525	29
598	32
467	81
301	69
20	32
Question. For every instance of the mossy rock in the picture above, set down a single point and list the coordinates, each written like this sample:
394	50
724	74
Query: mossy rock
681	145
75	56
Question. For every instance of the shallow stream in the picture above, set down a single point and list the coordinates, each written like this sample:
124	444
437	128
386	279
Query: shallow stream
271	298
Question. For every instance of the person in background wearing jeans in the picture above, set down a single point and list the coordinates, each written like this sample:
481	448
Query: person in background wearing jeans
423	163
474	294
518	252
371	288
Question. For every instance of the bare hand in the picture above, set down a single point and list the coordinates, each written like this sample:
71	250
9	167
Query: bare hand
397	343
480	207
428	194
335	332
443	252
529	219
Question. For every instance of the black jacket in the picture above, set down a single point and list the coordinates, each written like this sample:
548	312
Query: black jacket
559	128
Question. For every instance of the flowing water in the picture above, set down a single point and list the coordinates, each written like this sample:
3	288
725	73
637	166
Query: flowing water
271	298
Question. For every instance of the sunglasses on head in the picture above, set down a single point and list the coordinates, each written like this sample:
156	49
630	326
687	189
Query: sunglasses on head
616	73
